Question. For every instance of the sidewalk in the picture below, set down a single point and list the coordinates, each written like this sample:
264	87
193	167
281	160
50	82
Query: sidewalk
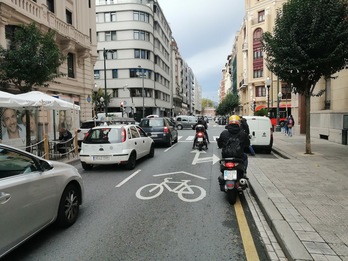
304	197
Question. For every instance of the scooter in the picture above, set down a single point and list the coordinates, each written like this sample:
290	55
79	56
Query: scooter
232	180
201	139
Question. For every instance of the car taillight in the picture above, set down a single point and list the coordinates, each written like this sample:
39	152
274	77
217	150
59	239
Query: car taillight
165	130
200	134
230	164
123	134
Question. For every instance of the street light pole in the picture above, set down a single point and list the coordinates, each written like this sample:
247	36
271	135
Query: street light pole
143	91
105	85
268	85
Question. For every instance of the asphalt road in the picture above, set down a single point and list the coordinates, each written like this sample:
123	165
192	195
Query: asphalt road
121	220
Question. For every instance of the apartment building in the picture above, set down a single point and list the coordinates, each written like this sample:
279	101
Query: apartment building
75	36
255	83
134	63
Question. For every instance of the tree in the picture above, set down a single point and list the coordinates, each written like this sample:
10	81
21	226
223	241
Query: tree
31	60
207	103
228	104
310	41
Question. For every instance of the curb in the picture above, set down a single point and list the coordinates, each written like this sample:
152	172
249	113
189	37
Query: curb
286	237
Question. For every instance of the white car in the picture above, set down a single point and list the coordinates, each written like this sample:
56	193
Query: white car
115	144
33	194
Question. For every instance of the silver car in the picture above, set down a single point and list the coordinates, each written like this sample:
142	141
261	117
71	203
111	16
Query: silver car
33	194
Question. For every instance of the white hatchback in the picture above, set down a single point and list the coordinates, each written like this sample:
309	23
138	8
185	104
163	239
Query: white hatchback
115	144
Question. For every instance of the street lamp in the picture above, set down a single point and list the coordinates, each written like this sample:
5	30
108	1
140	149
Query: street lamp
105	85
279	96
143	91
268	85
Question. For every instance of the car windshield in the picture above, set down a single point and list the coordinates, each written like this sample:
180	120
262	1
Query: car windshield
151	122
104	135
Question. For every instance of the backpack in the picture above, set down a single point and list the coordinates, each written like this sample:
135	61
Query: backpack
233	148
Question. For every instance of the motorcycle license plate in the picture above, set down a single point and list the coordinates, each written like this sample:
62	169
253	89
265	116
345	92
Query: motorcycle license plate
230	174
200	139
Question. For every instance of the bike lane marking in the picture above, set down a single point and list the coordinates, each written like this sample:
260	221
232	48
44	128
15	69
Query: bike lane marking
248	241
128	178
178	172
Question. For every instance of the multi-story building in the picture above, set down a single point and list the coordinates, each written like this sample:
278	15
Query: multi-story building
134	56
329	112
75	37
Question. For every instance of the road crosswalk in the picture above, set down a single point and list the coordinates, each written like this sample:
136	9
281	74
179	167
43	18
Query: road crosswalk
190	138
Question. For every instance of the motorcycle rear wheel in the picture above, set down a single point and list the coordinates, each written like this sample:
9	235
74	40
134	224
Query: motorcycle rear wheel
232	196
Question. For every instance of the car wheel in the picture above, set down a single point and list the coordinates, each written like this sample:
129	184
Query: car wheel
152	151
179	127
131	161
86	166
170	142
69	205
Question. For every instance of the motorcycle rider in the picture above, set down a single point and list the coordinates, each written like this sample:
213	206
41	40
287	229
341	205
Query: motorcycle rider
234	129
201	125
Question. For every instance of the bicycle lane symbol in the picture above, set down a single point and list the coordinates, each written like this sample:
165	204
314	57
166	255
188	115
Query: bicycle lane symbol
186	192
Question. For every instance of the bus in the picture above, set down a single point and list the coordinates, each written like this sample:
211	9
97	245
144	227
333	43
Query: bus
284	112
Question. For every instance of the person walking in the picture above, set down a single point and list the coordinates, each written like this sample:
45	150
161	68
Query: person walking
290	124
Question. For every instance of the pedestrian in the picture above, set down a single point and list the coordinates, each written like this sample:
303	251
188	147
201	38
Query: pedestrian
245	127
290	124
65	137
286	129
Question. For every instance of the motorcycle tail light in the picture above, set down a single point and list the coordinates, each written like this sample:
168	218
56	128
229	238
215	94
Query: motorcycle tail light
230	165
200	134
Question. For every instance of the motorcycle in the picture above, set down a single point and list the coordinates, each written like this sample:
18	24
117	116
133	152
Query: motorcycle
201	139
232	181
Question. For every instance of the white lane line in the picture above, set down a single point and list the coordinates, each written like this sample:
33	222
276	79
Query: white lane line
125	180
170	147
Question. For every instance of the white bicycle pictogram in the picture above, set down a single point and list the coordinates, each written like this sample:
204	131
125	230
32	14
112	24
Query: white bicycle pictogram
182	189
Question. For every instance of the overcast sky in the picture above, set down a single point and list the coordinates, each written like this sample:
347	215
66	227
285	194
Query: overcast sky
204	32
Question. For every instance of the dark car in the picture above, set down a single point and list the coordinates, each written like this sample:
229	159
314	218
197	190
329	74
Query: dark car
162	130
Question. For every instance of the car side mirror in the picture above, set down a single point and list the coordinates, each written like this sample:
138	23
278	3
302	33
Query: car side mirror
148	134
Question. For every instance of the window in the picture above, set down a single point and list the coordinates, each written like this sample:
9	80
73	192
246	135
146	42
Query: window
141	16
110	36
142	54
68	17
70	61
50	5
96	74
141	35
260	91
257	35
114	73
261	16
258	73
134	132
110	17
114	93
258	53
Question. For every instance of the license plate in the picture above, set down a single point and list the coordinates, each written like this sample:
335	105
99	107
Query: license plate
200	139
154	135
100	157
230	174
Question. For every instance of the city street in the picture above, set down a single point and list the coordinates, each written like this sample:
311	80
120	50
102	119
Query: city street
120	220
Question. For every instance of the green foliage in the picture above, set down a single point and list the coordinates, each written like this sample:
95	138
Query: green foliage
32	59
310	41
228	104
207	103
261	112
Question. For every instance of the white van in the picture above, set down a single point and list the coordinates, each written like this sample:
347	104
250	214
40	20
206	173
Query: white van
261	131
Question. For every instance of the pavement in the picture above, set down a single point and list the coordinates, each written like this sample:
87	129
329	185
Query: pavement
304	197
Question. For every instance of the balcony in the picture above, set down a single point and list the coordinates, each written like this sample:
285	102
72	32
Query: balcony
243	84
41	15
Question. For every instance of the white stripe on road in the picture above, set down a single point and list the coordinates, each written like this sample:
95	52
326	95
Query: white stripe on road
125	180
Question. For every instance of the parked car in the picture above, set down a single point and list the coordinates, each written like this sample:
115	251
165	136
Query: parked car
33	194
115	144
85	127
162	130
185	121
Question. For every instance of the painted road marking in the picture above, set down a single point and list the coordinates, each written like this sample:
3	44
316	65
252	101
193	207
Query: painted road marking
125	180
248	242
196	159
